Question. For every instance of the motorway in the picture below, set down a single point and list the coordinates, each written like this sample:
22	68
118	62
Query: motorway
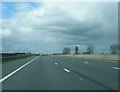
59	73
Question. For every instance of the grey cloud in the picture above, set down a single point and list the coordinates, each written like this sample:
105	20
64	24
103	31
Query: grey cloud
59	28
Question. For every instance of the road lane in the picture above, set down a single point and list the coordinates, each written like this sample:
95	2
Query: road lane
9	66
100	72
44	74
18	69
39	75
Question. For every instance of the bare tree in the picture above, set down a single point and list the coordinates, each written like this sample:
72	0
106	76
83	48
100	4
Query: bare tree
89	50
66	50
115	49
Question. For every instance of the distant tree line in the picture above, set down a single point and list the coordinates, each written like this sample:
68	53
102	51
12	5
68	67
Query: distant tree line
66	50
89	50
114	49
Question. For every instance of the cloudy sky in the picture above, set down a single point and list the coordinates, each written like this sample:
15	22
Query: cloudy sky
47	27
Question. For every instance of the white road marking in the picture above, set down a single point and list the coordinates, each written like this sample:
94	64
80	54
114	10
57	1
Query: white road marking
86	62
56	63
4	78
81	79
66	70
73	60
116	68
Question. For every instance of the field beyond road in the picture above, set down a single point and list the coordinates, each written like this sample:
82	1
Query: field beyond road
112	57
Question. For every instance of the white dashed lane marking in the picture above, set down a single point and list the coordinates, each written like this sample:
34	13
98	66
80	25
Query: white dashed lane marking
116	68
73	60
66	70
56	63
86	62
81	79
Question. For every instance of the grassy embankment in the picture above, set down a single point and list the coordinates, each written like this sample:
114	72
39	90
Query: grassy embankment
14	56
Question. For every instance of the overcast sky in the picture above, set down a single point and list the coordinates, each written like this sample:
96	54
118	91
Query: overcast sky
48	27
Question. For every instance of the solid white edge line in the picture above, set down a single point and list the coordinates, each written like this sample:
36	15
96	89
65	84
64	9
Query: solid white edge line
66	70
4	78
115	68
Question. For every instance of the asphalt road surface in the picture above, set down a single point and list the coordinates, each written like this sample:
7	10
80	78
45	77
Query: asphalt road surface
59	73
